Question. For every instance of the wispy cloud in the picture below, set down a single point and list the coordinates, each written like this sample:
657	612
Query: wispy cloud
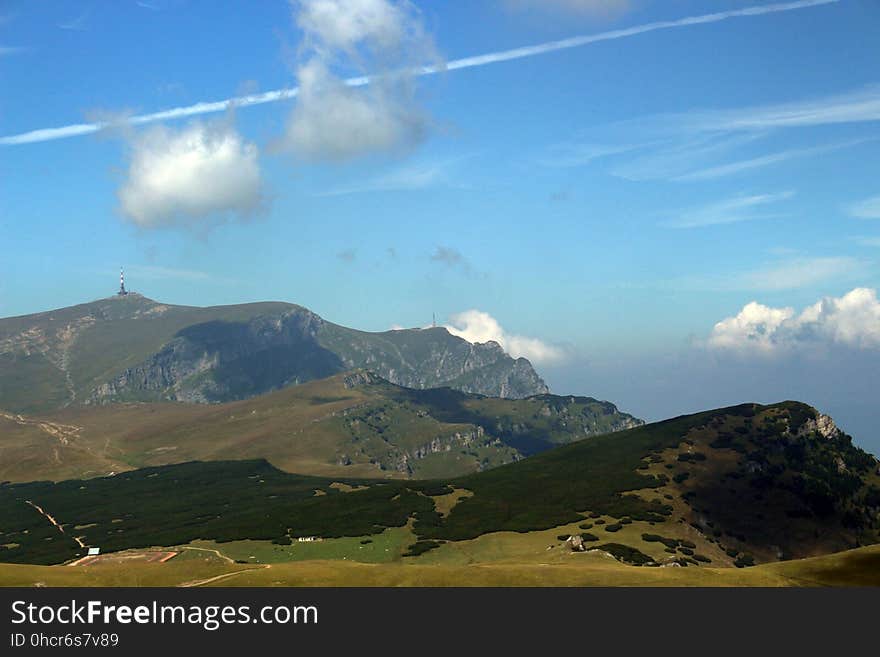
728	211
576	154
787	273
670	157
798	273
868	208
10	50
867	241
740	166
45	134
77	24
687	147
857	106
421	175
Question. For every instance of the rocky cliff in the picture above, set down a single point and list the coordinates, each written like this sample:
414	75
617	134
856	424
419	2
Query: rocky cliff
135	349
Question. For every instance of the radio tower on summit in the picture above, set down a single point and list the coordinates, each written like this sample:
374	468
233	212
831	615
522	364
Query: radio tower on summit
122	292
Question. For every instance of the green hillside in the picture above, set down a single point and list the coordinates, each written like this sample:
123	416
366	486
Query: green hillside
130	348
349	425
735	486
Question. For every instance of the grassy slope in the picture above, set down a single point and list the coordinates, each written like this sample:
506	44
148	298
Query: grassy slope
860	567
311	429
604	486
58	358
102	338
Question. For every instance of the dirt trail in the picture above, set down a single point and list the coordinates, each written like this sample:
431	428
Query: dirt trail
217	552
64	433
55	523
217	578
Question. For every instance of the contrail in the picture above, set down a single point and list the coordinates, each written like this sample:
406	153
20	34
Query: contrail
47	134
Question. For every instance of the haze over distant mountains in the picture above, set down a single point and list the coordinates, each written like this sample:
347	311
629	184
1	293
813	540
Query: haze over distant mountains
329	431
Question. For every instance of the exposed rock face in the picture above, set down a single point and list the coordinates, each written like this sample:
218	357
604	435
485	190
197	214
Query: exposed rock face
359	378
221	360
430	358
460	439
823	425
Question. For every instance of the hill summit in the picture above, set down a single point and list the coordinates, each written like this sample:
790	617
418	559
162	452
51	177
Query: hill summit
132	348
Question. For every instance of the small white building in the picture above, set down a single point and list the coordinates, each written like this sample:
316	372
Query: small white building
94	552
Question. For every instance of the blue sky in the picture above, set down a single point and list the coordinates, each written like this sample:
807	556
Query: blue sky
600	208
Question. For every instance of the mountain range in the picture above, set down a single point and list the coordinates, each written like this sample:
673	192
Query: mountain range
131	348
354	424
134	425
733	486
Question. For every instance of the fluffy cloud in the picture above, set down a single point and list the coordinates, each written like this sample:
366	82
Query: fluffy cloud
347	25
333	121
338	120
189	175
477	326
852	321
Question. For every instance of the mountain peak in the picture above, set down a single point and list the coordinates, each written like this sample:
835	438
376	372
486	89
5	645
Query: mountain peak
133	348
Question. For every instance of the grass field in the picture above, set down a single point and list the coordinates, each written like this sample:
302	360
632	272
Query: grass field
326	427
859	567
378	548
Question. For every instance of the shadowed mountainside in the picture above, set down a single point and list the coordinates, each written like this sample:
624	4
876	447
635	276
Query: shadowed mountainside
734	486
349	425
131	348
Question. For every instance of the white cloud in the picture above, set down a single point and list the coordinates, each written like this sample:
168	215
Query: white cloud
78	24
727	211
418	176
858	106
347	25
190	175
576	154
798	273
852	321
410	177
868	208
477	326
732	168
332	121
755	327
678	155
335	120
63	132
793	271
